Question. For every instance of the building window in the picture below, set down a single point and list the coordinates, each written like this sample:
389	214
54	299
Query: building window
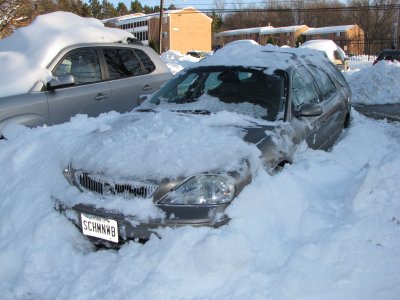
165	35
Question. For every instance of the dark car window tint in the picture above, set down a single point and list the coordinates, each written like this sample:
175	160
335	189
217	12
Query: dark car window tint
325	84
147	62
303	90
83	65
122	63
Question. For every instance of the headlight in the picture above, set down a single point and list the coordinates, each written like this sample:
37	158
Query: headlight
202	189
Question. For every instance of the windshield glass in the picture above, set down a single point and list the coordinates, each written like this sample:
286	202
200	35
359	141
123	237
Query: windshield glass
242	90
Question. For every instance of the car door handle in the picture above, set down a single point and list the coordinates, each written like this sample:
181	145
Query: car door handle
100	96
147	87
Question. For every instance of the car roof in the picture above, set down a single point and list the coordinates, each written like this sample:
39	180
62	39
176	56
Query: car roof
268	57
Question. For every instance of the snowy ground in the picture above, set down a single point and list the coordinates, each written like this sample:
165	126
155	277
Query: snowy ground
326	227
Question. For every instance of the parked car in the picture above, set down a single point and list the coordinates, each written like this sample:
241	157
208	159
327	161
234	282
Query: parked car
389	55
88	79
332	50
273	100
197	54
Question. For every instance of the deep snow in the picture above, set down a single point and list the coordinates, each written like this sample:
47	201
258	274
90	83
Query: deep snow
326	227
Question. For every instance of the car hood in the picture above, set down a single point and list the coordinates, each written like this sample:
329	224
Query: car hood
164	144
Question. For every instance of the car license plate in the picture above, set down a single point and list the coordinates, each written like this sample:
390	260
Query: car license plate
102	228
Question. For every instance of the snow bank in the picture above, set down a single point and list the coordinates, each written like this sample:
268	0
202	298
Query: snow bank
375	84
25	54
326	227
177	61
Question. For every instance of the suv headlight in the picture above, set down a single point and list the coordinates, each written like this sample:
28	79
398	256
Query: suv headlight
202	190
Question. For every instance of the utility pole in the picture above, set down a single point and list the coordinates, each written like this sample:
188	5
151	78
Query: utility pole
160	26
398	25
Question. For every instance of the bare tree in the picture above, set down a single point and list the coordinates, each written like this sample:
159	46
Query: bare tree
376	18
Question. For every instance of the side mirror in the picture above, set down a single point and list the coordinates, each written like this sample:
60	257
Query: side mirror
311	110
141	99
61	81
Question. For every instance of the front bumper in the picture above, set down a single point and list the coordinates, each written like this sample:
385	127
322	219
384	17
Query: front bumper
130	228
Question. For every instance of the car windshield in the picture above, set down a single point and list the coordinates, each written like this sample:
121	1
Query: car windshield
211	89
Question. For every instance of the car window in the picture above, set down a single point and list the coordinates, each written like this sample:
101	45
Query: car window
335	73
336	55
324	83
82	64
122	63
303	89
146	60
249	91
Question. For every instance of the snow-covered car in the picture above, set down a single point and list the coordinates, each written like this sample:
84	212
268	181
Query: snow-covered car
189	150
67	74
388	55
332	50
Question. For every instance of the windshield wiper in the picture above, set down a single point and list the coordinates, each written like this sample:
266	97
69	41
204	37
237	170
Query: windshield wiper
194	111
146	110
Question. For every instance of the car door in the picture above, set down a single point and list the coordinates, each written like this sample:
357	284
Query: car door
303	91
129	74
331	102
91	93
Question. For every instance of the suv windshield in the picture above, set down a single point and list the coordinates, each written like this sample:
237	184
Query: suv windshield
389	55
242	90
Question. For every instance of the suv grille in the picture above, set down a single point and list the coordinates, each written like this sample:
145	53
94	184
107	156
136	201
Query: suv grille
125	188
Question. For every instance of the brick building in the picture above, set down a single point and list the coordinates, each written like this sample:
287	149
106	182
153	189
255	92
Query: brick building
279	36
349	37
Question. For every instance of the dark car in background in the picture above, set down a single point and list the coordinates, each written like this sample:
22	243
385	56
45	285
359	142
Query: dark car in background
88	79
388	55
290	98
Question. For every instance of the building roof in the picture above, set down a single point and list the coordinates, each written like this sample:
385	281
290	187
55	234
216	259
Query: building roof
274	30
241	31
261	30
127	18
325	30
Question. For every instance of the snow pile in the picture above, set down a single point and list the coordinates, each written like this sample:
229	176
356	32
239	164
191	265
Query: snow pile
377	84
25	54
177	61
326	227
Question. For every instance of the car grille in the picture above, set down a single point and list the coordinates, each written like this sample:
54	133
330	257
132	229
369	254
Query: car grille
125	188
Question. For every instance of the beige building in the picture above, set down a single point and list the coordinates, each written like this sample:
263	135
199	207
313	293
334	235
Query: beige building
349	37
182	30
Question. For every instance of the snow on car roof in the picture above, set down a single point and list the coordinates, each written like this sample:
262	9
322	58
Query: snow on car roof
25	54
248	53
